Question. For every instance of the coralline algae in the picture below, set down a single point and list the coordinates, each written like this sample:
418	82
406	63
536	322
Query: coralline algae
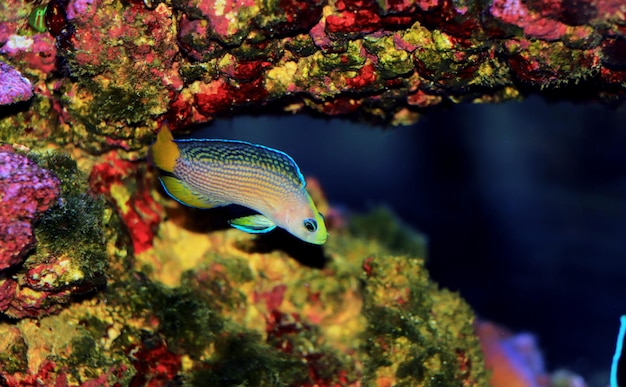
188	62
13	86
26	191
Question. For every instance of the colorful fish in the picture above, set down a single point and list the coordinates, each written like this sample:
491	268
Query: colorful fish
206	173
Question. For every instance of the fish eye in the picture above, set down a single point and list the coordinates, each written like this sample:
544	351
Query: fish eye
310	225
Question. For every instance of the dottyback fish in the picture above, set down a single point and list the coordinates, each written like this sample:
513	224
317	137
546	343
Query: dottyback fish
206	173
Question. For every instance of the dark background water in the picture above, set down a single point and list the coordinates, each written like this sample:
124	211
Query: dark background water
524	206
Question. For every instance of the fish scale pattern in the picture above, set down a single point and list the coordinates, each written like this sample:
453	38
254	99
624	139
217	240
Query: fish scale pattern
238	172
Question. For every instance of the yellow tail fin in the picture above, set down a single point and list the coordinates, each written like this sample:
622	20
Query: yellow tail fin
164	150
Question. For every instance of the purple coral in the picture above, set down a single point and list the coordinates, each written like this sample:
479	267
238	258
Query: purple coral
76	8
13	86
25	191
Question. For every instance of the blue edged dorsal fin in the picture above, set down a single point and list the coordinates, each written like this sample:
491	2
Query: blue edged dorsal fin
254	224
184	195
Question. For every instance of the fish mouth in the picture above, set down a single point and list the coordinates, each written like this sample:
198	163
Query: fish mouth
321	240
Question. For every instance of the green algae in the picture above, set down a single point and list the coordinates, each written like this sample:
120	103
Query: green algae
243	359
186	320
383	226
412	333
73	180
215	289
119	104
13	352
73	227
350	60
392	61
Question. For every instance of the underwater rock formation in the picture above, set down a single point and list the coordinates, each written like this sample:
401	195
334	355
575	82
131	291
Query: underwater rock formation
228	308
51	238
146	292
26	191
13	86
193	302
109	72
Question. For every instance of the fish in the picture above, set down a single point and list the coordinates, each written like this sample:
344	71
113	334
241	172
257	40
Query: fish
618	366
208	173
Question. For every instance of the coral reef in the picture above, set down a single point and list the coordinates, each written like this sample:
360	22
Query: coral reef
227	308
106	73
26	191
146	292
14	87
202	304
52	241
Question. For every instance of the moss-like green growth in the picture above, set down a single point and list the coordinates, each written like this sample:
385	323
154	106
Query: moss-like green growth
119	104
13	356
186	320
244	359
72	229
416	333
383	226
392	61
85	352
73	180
350	60
217	289
301	45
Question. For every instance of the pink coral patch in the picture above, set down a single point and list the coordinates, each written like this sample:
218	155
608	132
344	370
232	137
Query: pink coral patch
26	190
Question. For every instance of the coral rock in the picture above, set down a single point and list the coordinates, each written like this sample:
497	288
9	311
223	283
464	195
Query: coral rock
26	190
13	86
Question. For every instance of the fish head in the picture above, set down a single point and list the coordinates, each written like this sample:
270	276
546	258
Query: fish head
305	222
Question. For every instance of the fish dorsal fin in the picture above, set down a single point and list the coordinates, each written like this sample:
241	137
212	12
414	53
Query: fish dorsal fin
254	224
185	195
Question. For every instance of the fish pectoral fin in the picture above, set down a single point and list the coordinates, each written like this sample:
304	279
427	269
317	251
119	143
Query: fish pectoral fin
254	224
185	195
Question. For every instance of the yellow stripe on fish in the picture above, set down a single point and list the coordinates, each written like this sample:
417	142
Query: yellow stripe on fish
206	173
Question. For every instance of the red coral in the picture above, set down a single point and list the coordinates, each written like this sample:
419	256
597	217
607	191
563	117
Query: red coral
273	298
299	15
366	76
26	190
155	364
534	24
361	21
222	95
28	303
283	332
340	106
141	213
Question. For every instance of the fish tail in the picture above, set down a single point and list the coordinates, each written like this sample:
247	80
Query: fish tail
165	151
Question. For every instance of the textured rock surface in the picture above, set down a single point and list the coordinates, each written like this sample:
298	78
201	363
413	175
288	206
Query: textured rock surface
51	238
13	86
26	190
147	292
111	71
